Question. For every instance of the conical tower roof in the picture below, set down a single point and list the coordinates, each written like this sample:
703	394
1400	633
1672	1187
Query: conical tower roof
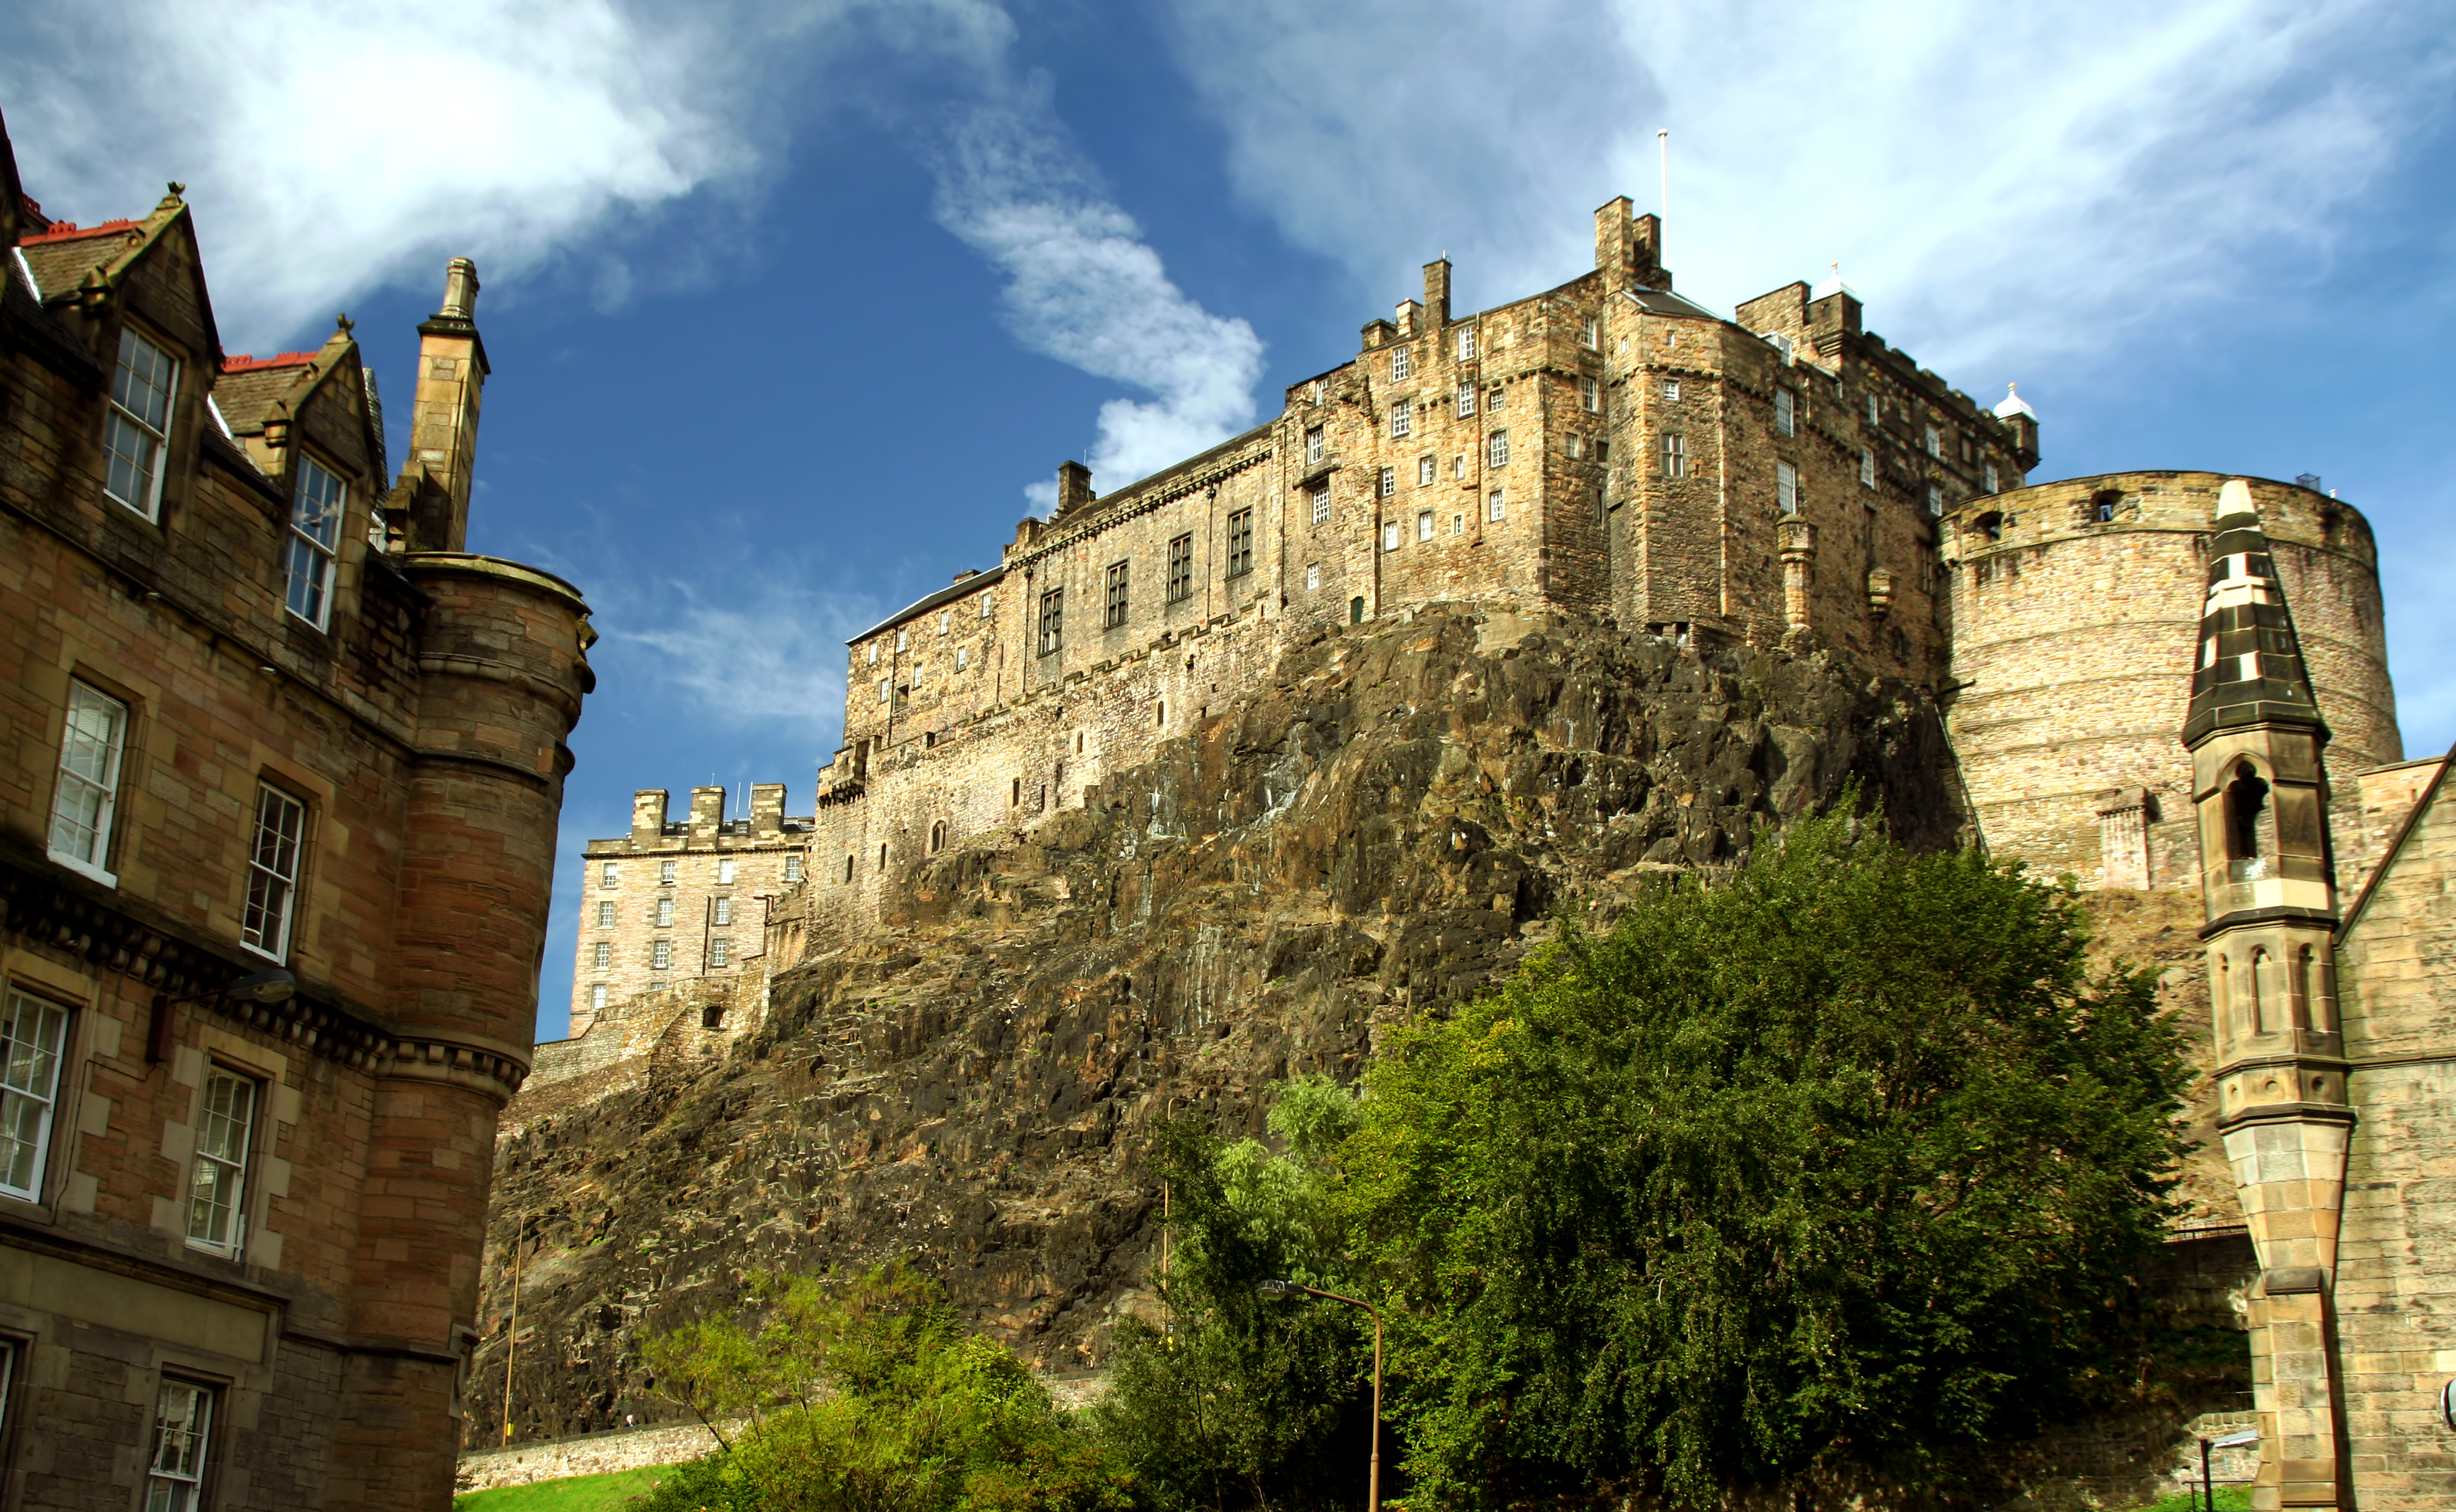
2250	669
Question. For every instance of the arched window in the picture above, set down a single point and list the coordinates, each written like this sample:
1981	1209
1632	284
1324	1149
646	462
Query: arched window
1356	610
2264	989
2246	823
2308	1010
938	837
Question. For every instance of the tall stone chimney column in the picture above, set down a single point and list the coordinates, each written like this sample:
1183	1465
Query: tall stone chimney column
436	474
1798	571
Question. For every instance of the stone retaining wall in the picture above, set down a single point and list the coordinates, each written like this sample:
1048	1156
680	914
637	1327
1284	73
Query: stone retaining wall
589	1454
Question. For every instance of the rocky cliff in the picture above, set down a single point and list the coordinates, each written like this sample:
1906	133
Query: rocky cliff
1386	830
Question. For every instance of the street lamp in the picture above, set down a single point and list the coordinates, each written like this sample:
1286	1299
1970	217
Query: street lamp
1282	1289
275	986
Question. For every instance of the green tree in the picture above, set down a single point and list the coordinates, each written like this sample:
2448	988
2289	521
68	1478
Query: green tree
867	1396
1836	1165
1240	1401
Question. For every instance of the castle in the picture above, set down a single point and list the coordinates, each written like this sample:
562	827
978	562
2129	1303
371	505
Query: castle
278	817
2128	698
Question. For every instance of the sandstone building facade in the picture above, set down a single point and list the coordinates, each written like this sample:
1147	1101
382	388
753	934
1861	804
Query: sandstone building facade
278	808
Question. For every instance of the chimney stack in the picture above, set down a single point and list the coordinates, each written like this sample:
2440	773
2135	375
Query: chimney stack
1074	487
436	477
648	816
1437	293
707	812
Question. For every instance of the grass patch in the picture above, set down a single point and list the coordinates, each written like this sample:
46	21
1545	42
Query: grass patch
2230	1499
579	1493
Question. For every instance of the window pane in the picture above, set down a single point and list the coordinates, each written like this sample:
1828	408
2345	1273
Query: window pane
183	1418
217	1187
133	453
273	871
30	1037
93	731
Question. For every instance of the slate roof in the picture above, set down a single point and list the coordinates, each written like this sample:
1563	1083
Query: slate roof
2250	663
59	259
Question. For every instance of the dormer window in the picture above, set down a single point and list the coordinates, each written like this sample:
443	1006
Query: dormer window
315	507
140	428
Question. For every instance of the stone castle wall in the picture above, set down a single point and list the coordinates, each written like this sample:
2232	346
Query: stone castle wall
2072	639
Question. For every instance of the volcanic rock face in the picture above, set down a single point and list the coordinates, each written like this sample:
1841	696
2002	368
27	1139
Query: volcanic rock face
1386	831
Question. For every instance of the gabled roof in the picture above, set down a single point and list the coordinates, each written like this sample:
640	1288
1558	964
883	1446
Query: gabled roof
250	391
65	257
2422	801
972	583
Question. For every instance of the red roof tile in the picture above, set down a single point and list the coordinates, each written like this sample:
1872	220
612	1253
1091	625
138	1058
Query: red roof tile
244	363
71	231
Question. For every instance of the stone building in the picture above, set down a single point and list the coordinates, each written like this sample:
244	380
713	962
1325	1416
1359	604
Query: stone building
1603	448
277	809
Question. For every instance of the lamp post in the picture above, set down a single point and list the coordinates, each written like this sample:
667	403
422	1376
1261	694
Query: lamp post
275	986
1278	1288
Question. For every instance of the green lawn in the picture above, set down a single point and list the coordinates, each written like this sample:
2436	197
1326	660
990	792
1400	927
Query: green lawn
2230	1499
579	1493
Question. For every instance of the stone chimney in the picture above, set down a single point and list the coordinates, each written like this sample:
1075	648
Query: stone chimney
1073	488
1411	320
648	815
1628	248
767	808
1437	293
708	813
435	476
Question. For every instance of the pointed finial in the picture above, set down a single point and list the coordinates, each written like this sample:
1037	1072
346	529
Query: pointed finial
343	323
177	188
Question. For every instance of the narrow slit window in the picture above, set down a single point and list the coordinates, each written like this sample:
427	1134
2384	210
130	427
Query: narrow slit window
273	872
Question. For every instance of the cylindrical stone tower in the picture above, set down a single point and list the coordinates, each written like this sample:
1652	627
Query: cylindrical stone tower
2074	611
503	674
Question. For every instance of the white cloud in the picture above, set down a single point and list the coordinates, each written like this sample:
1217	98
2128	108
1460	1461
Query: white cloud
763	656
1996	182
1085	288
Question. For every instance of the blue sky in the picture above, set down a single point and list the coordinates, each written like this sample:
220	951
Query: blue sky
792	305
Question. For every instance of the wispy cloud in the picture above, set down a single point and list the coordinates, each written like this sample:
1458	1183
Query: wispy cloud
761	657
1084	287
1998	182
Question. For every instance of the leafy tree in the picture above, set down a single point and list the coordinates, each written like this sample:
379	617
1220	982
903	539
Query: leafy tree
1836	1165
1241	1401
867	1396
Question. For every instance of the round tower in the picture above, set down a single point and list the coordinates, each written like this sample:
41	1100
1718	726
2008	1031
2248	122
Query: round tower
2074	610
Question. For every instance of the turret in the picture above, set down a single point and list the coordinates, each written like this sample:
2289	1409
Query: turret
2256	735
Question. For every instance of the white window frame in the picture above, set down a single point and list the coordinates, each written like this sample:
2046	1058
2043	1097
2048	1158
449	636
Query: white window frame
603	957
1675	454
274	863
664	914
1876	410
217	1182
1402	420
963	656
1467	343
903	640
722	911
1321	503
1994	482
1935	499
1934	443
183	1451
1786	412
85	791
33	1041
608	874
661	955
1314	444
1387	482
724	871
1590	396
1866	467
317	501
1671	390
1496	507
1590	333
139	416
1497	449
597	997
885	684
1313	576
665	872
1423	524
720	951
873	653
1400	366
1389	535
793	869
606	913
1492	401
1786	488
1428	472
1466	400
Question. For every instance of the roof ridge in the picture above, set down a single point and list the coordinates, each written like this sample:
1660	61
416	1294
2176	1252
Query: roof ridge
71	231
243	362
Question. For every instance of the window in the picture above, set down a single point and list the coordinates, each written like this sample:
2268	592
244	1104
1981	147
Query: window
1498	449
665	914
1602	450
183	1426
606	914
1785	417
938	837
1402	415
1389	535
1589	332
315	534
720	951
217	1187
885	691
139	423
1876	410
1313	444
603	957
2102	507
847	868
1427	472
721	911
1786	488
1935	442
1496	508
1935	499
1989	473
901	643
963	656
1320	499
661	955
1424	525
1114	605
1313	576
93	735
946	618
1466	344
1590	396
1671	390
1991	525
1384	485
273	872
1492	401
597	997
1675	455
873	653
1053	621
1573	444
609	876
724	871
34	1034
1180	568
986	600
793	869
1466	400
1866	467
1399	365
1240	543
666	873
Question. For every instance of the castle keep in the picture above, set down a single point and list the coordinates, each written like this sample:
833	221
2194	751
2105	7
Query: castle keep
277	811
2164	681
